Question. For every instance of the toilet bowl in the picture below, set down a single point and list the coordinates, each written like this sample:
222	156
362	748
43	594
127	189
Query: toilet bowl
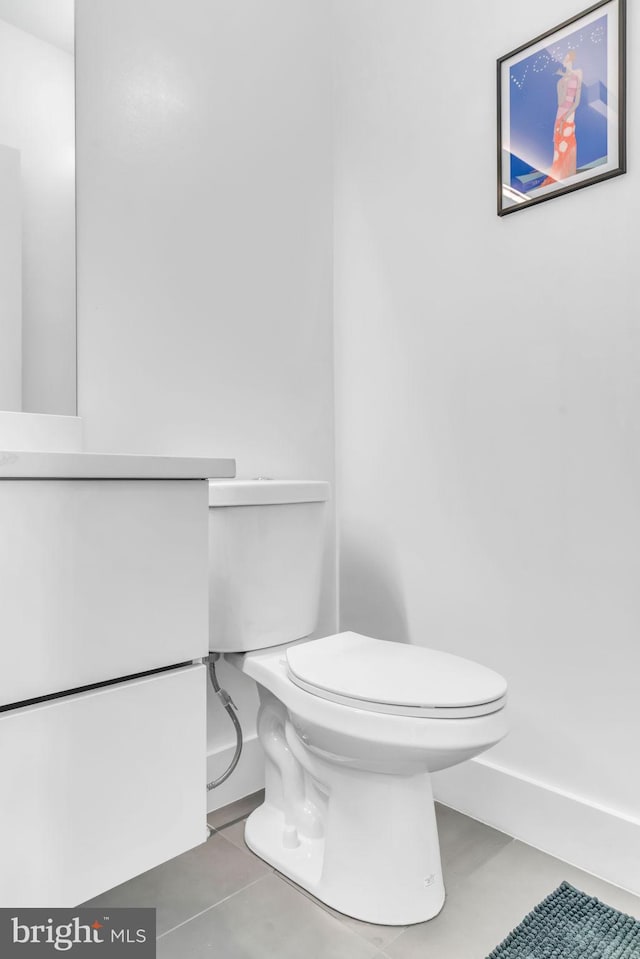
351	727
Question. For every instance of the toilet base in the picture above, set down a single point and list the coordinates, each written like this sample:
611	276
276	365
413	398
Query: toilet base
378	860
303	865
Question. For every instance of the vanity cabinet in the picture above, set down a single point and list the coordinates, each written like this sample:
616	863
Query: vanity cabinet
99	579
100	786
104	623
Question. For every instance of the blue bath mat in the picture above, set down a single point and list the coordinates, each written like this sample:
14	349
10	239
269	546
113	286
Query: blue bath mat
568	924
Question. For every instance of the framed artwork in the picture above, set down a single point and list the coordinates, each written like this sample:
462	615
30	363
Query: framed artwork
561	109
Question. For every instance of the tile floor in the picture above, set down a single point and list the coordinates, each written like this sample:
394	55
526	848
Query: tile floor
219	900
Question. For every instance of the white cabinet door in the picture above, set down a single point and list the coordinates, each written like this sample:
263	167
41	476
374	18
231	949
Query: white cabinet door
100	786
99	579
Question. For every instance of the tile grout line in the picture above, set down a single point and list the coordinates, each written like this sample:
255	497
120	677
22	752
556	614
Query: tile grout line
327	910
244	848
493	855
225	825
340	917
209	908
392	941
454	884
221	832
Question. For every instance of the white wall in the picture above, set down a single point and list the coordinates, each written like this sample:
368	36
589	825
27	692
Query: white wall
488	386
51	21
37	118
204	242
10	280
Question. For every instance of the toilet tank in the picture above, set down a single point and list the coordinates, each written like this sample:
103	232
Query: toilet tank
266	540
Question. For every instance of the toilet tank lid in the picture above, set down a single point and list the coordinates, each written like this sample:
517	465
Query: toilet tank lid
266	492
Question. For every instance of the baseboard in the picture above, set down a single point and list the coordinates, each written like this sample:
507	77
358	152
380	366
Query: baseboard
247	777
599	840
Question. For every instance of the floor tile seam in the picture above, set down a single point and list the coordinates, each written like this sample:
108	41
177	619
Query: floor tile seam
306	893
243	815
581	869
221	835
344	919
456	883
334	914
214	905
540	849
405	931
564	862
245	849
225	825
390	942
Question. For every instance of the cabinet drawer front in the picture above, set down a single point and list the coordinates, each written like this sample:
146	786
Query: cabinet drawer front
101	786
99	579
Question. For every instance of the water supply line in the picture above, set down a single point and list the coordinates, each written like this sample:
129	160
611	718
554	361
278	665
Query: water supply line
231	709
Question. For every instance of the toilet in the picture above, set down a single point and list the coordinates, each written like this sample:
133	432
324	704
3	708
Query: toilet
351	727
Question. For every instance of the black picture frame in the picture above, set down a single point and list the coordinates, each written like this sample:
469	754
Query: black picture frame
526	125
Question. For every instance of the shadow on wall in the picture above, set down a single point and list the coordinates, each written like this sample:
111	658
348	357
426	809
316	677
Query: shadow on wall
373	601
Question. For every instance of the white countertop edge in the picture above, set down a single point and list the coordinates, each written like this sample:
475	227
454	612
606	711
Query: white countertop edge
23	464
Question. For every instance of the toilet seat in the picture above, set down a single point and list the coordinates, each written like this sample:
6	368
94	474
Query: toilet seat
394	678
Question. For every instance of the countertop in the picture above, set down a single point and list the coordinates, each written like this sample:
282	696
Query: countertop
15	464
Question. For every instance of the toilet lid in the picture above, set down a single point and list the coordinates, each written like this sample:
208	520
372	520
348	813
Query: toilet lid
395	678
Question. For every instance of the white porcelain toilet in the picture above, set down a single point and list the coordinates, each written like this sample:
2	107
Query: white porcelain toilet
351	727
